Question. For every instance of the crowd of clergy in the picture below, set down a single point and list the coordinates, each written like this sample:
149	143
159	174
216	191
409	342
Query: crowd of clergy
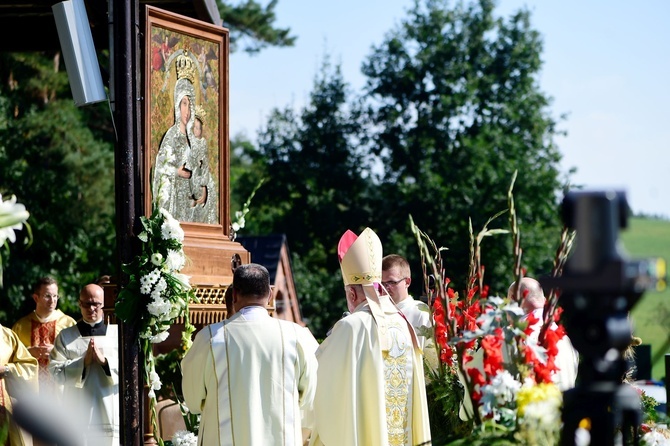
254	379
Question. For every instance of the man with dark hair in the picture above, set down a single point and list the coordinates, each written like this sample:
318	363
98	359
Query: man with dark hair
38	330
250	376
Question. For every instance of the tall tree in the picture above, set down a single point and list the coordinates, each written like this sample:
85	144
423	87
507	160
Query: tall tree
252	26
59	161
316	175
457	105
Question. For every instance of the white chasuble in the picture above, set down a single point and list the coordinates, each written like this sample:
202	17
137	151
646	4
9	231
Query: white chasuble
366	396
249	377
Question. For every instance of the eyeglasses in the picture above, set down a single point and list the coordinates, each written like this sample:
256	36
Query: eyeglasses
51	296
94	305
394	282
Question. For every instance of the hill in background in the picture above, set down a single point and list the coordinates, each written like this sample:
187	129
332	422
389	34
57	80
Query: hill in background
647	237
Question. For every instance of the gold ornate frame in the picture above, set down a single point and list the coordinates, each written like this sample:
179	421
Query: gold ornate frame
167	37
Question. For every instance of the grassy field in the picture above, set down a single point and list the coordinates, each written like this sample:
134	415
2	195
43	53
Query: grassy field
651	316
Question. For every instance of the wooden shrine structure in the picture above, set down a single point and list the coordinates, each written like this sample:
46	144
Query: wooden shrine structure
121	27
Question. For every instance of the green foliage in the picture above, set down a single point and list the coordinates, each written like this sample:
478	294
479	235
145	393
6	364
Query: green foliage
59	161
651	315
443	395
316	178
456	100
452	108
252	24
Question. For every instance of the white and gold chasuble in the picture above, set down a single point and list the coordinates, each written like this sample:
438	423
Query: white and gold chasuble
250	377
22	372
365	396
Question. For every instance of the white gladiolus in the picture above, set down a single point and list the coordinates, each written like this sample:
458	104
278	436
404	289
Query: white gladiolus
157	339
184	280
171	229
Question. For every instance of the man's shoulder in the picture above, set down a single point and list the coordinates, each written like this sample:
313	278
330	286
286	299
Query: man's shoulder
64	318
211	329
357	322
69	332
23	320
411	304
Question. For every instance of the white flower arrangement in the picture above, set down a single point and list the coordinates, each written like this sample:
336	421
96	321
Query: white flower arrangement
156	294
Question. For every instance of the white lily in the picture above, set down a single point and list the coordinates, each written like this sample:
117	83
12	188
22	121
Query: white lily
12	217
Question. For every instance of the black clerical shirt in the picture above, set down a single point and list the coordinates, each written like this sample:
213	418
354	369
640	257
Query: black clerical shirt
85	329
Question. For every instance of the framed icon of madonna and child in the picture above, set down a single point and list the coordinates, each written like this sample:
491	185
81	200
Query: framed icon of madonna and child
186	121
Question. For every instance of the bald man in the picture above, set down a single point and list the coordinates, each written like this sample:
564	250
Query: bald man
532	301
84	363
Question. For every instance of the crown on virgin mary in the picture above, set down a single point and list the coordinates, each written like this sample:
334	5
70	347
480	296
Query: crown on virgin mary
185	67
360	258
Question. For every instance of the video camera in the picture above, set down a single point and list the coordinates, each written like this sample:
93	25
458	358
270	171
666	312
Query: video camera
598	288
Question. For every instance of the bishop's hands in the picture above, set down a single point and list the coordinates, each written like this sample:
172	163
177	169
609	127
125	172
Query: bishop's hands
94	355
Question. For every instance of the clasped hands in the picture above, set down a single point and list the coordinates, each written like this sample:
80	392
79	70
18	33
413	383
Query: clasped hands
93	354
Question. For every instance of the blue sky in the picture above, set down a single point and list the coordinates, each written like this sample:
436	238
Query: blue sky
606	64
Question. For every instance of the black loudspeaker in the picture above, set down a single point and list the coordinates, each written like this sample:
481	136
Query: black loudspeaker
78	51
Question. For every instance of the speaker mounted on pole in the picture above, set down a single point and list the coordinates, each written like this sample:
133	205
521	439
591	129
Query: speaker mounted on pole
81	61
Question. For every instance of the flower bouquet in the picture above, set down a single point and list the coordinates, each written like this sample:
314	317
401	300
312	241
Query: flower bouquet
157	294
490	377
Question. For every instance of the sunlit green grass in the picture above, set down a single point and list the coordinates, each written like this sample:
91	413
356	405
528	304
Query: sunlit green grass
651	316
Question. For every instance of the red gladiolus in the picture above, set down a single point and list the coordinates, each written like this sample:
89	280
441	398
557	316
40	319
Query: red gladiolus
492	345
441	334
476	376
447	355
551	338
557	314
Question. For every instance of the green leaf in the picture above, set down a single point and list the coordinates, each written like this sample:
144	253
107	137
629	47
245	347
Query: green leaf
127	306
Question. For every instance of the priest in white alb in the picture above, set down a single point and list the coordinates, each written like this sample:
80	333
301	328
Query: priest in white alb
371	388
251	376
84	364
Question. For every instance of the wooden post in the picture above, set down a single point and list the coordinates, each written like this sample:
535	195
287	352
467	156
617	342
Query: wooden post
124	85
